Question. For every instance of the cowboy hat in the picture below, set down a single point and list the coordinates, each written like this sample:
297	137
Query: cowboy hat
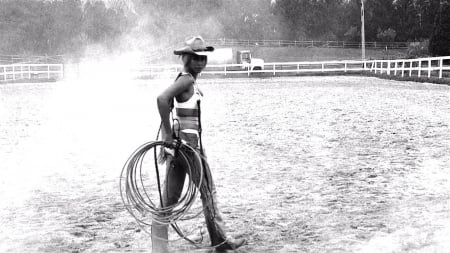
194	45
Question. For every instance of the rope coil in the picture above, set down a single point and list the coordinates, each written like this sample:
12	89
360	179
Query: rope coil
134	191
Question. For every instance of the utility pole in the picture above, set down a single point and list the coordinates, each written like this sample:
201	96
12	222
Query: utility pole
363	39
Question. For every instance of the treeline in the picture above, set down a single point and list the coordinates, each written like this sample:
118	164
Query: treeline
385	20
68	26
57	27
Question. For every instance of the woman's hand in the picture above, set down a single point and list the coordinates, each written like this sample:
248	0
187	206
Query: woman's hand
166	154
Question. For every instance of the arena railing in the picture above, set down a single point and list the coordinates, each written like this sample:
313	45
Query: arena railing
17	72
430	66
272	68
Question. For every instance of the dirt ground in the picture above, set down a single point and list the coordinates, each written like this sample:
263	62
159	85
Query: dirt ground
301	164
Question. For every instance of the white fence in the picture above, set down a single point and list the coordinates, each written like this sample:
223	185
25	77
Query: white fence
14	72
435	66
272	68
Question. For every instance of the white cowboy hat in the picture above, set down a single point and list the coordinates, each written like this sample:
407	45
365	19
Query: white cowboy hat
196	46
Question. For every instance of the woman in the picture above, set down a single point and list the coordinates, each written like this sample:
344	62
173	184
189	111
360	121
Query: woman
186	95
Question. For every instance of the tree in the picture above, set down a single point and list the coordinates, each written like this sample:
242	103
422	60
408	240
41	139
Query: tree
440	39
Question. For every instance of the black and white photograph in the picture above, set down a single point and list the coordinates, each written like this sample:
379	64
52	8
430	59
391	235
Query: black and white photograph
207	126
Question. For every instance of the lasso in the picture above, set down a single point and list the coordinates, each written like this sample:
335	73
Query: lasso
137	200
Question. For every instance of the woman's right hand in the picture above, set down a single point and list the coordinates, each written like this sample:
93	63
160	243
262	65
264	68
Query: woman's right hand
166	153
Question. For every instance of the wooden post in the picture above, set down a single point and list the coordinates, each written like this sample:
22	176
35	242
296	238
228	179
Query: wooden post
274	69
345	67
395	68
410	67
225	69
419	72
323	67
298	68
441	61
388	68
403	68
429	68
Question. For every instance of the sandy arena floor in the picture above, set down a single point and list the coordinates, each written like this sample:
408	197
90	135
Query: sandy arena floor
301	164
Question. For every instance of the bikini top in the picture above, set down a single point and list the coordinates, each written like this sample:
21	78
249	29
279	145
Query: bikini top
191	103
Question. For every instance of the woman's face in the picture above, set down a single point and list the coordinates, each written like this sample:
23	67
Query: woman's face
197	63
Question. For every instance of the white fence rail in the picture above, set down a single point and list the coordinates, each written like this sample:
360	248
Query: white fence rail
434	66
15	72
272	68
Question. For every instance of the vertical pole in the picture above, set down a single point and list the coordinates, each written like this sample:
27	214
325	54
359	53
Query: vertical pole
440	67
410	67
395	68
429	68
363	39
274	69
225	69
298	68
345	67
419	72
403	68
323	67
388	67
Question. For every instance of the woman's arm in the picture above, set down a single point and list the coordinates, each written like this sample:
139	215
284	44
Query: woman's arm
164	102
